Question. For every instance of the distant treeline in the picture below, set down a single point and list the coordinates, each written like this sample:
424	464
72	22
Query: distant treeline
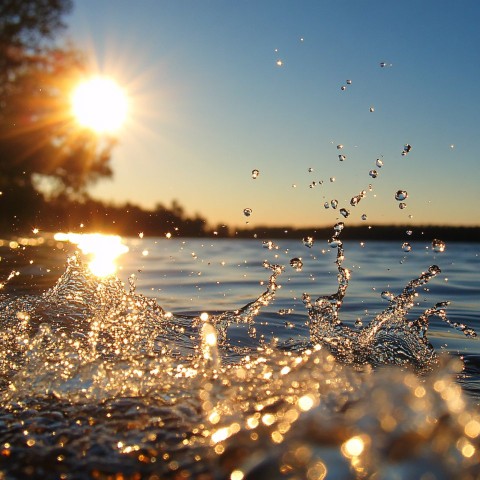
20	217
373	232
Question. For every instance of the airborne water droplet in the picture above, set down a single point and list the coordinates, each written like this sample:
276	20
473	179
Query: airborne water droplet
339	146
386	295
406	149
334	242
339	226
344	212
349	82
343	88
268	244
401	195
308	241
326	205
372	109
247	212
402	206
438	245
379	163
409	232
334	204
297	264
310	169
255	173
332	179
342	157
373	173
364	216
406	247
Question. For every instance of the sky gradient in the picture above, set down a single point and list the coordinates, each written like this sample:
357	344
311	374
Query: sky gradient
209	104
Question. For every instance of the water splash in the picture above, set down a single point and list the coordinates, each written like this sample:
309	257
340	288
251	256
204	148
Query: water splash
93	371
389	338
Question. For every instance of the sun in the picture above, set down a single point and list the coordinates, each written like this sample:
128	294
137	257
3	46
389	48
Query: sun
100	104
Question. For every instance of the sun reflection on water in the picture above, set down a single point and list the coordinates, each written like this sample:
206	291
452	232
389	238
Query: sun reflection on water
103	249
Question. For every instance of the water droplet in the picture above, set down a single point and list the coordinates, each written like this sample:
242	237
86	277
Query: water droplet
349	82
452	146
401	195
406	247
339	226
332	179
438	245
372	109
308	241
342	157
370	187
364	216
268	244
334	204
385	64
356	199
310	169
255	173
379	163
339	146
343	88
344	212
334	242
247	212
297	264
402	206
326	205
373	173
409	232
386	295
406	149
279	63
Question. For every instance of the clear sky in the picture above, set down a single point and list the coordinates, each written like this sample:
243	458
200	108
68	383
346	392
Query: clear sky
209	104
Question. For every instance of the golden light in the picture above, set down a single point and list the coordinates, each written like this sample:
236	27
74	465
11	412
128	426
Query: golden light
100	104
104	249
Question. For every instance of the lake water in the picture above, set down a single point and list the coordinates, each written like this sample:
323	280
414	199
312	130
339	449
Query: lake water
207	360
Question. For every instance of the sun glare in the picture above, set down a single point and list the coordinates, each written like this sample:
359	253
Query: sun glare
103	249
100	104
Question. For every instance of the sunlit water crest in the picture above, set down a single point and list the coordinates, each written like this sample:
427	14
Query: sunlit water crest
99	380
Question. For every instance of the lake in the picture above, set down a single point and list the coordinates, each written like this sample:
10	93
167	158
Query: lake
220	358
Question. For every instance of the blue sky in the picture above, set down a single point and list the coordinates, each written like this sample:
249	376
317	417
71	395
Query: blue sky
209	104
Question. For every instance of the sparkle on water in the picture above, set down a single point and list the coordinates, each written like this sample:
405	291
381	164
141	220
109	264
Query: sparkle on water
103	250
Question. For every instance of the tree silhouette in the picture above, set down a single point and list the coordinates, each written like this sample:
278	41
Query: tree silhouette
43	152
